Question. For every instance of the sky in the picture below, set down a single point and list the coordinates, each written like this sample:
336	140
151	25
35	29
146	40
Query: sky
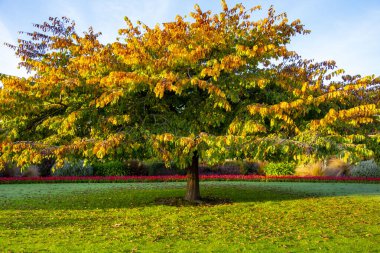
346	31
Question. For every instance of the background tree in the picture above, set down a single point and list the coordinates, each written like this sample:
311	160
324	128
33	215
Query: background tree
217	87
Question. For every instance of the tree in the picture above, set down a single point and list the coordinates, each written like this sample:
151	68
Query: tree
218	87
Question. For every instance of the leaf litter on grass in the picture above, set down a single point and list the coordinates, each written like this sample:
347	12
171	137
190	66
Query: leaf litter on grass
263	217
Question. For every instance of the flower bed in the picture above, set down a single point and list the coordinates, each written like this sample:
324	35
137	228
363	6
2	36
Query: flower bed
176	178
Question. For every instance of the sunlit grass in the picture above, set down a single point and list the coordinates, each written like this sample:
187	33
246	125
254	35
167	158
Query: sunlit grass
123	217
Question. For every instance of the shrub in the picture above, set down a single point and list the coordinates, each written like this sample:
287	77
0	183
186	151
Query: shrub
73	168
233	167
261	165
111	168
249	168
239	167
45	167
158	168
31	171
367	168
153	166
137	168
11	170
333	168
120	168
336	167
311	169
279	169
229	167
204	169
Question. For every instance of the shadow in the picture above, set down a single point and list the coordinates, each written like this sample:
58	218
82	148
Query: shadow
135	195
117	201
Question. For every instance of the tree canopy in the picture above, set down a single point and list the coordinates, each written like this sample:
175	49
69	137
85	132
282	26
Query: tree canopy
215	86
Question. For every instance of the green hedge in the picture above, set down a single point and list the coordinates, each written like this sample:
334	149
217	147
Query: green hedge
279	169
111	168
120	168
158	168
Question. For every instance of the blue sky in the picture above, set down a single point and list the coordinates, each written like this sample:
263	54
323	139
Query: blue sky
346	31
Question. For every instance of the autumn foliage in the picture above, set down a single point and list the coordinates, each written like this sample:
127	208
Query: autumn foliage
222	85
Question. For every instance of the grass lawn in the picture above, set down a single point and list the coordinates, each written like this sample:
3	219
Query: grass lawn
123	217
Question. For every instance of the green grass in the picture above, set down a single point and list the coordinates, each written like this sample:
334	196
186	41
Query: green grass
123	217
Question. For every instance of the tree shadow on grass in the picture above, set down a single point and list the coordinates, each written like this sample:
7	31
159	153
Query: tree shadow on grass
215	193
110	207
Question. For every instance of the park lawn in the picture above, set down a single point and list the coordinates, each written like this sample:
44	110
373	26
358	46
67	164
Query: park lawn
124	217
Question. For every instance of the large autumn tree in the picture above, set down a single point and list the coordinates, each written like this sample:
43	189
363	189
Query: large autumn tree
213	87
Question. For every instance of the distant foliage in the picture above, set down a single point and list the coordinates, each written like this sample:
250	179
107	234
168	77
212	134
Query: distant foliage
220	169
333	167
336	167
279	169
137	168
10	170
46	166
111	168
158	168
249	168
367	168
310	169
31	171
233	167
73	168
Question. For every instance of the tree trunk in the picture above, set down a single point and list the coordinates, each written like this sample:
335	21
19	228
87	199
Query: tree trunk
192	191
